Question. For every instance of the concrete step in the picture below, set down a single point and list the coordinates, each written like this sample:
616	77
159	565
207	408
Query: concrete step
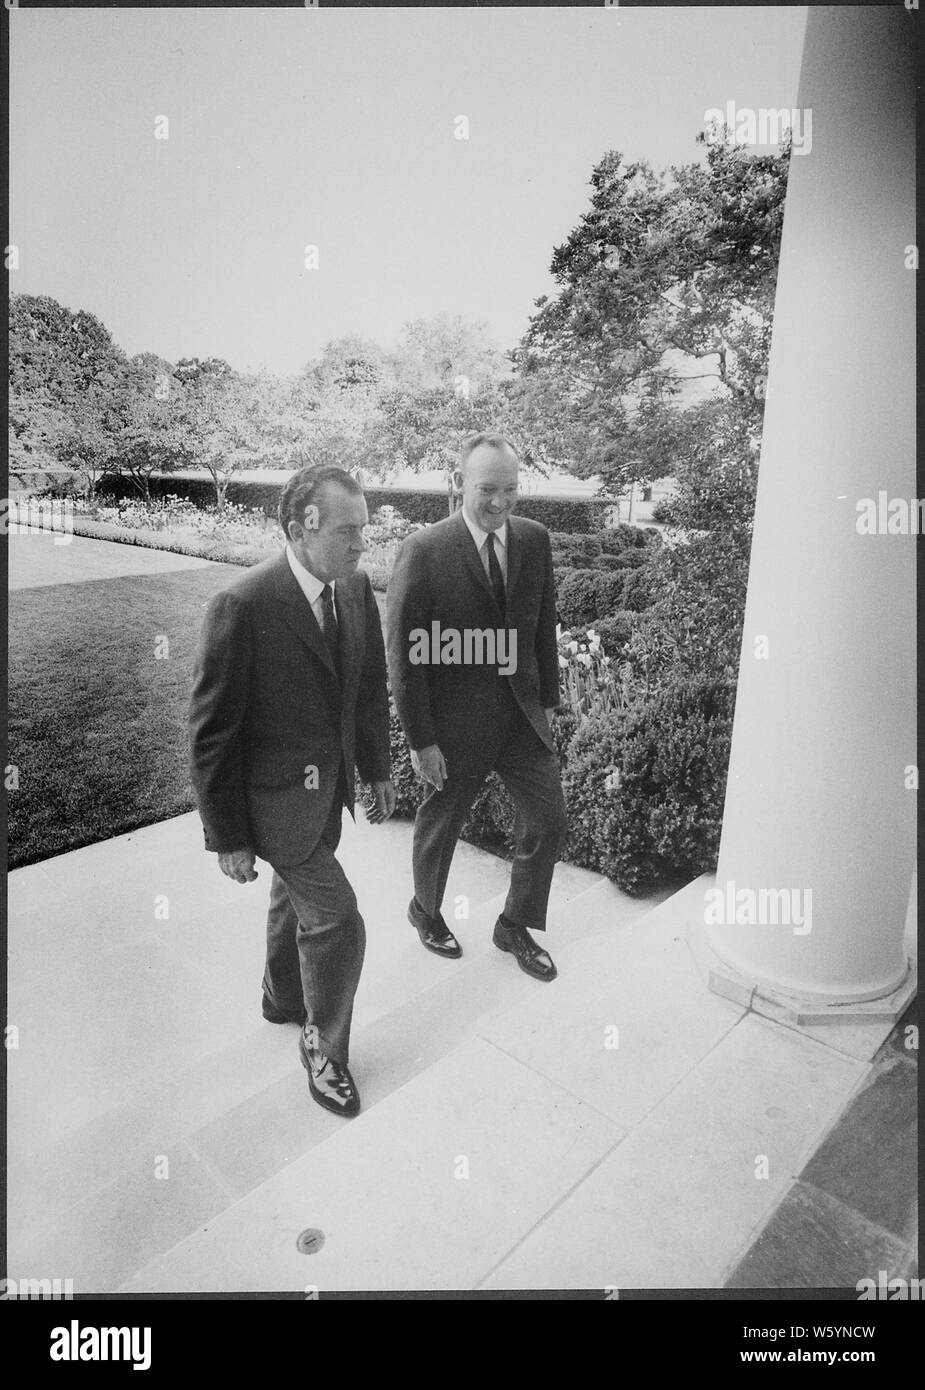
233	1114
535	1155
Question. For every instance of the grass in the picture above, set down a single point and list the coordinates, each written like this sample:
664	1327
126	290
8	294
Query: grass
97	724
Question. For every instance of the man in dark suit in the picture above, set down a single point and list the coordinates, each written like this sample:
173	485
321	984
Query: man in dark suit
485	576
289	697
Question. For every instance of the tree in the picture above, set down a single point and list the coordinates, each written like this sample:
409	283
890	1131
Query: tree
64	367
336	402
36	430
90	444
651	361
663	283
58	350
147	421
445	379
218	430
448	352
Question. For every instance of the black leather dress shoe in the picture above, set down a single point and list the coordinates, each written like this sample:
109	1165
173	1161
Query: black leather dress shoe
330	1082
434	932
529	956
274	1015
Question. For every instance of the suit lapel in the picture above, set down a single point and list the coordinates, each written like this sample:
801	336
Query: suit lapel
351	622
514	556
297	612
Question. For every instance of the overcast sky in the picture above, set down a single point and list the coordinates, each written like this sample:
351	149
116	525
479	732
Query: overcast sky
336	128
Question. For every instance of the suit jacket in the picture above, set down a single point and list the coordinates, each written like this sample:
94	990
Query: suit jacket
267	707
439	577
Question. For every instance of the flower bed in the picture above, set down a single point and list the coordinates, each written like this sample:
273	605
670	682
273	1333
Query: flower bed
237	535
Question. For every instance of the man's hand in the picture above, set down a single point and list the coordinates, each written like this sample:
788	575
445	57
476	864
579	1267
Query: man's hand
428	763
239	865
385	802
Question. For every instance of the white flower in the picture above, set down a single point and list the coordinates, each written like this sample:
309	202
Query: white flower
563	663
572	647
583	658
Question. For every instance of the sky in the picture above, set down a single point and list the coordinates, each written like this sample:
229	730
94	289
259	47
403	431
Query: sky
336	129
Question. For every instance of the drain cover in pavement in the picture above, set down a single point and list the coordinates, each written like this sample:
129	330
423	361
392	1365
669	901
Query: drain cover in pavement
310	1241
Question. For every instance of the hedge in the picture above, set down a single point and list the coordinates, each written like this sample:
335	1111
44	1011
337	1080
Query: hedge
616	548
645	786
583	595
578	551
615	539
417	504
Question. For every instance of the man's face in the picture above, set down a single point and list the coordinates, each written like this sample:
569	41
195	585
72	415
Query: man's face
488	485
332	549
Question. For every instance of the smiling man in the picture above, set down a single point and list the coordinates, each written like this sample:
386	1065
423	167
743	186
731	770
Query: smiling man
482	569
289	698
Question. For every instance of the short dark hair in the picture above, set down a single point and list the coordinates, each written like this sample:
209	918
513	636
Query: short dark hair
304	487
490	437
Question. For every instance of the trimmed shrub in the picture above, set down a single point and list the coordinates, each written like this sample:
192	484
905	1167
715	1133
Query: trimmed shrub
591	757
626	560
575	551
583	595
616	539
637	590
645	786
614	630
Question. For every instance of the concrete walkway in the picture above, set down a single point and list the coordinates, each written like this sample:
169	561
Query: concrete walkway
40	558
602	1130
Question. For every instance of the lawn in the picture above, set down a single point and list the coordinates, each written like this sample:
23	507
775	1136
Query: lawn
97	723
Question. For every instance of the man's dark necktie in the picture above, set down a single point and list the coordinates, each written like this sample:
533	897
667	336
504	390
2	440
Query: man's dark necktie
331	627
494	572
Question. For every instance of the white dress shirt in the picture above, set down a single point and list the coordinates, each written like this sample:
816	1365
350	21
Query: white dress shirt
311	586
480	537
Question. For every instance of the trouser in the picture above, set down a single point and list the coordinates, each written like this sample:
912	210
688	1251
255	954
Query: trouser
530	772
316	941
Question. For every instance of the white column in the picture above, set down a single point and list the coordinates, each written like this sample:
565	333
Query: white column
825	725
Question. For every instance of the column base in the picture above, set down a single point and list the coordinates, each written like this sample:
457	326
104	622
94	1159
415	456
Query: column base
784	1006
